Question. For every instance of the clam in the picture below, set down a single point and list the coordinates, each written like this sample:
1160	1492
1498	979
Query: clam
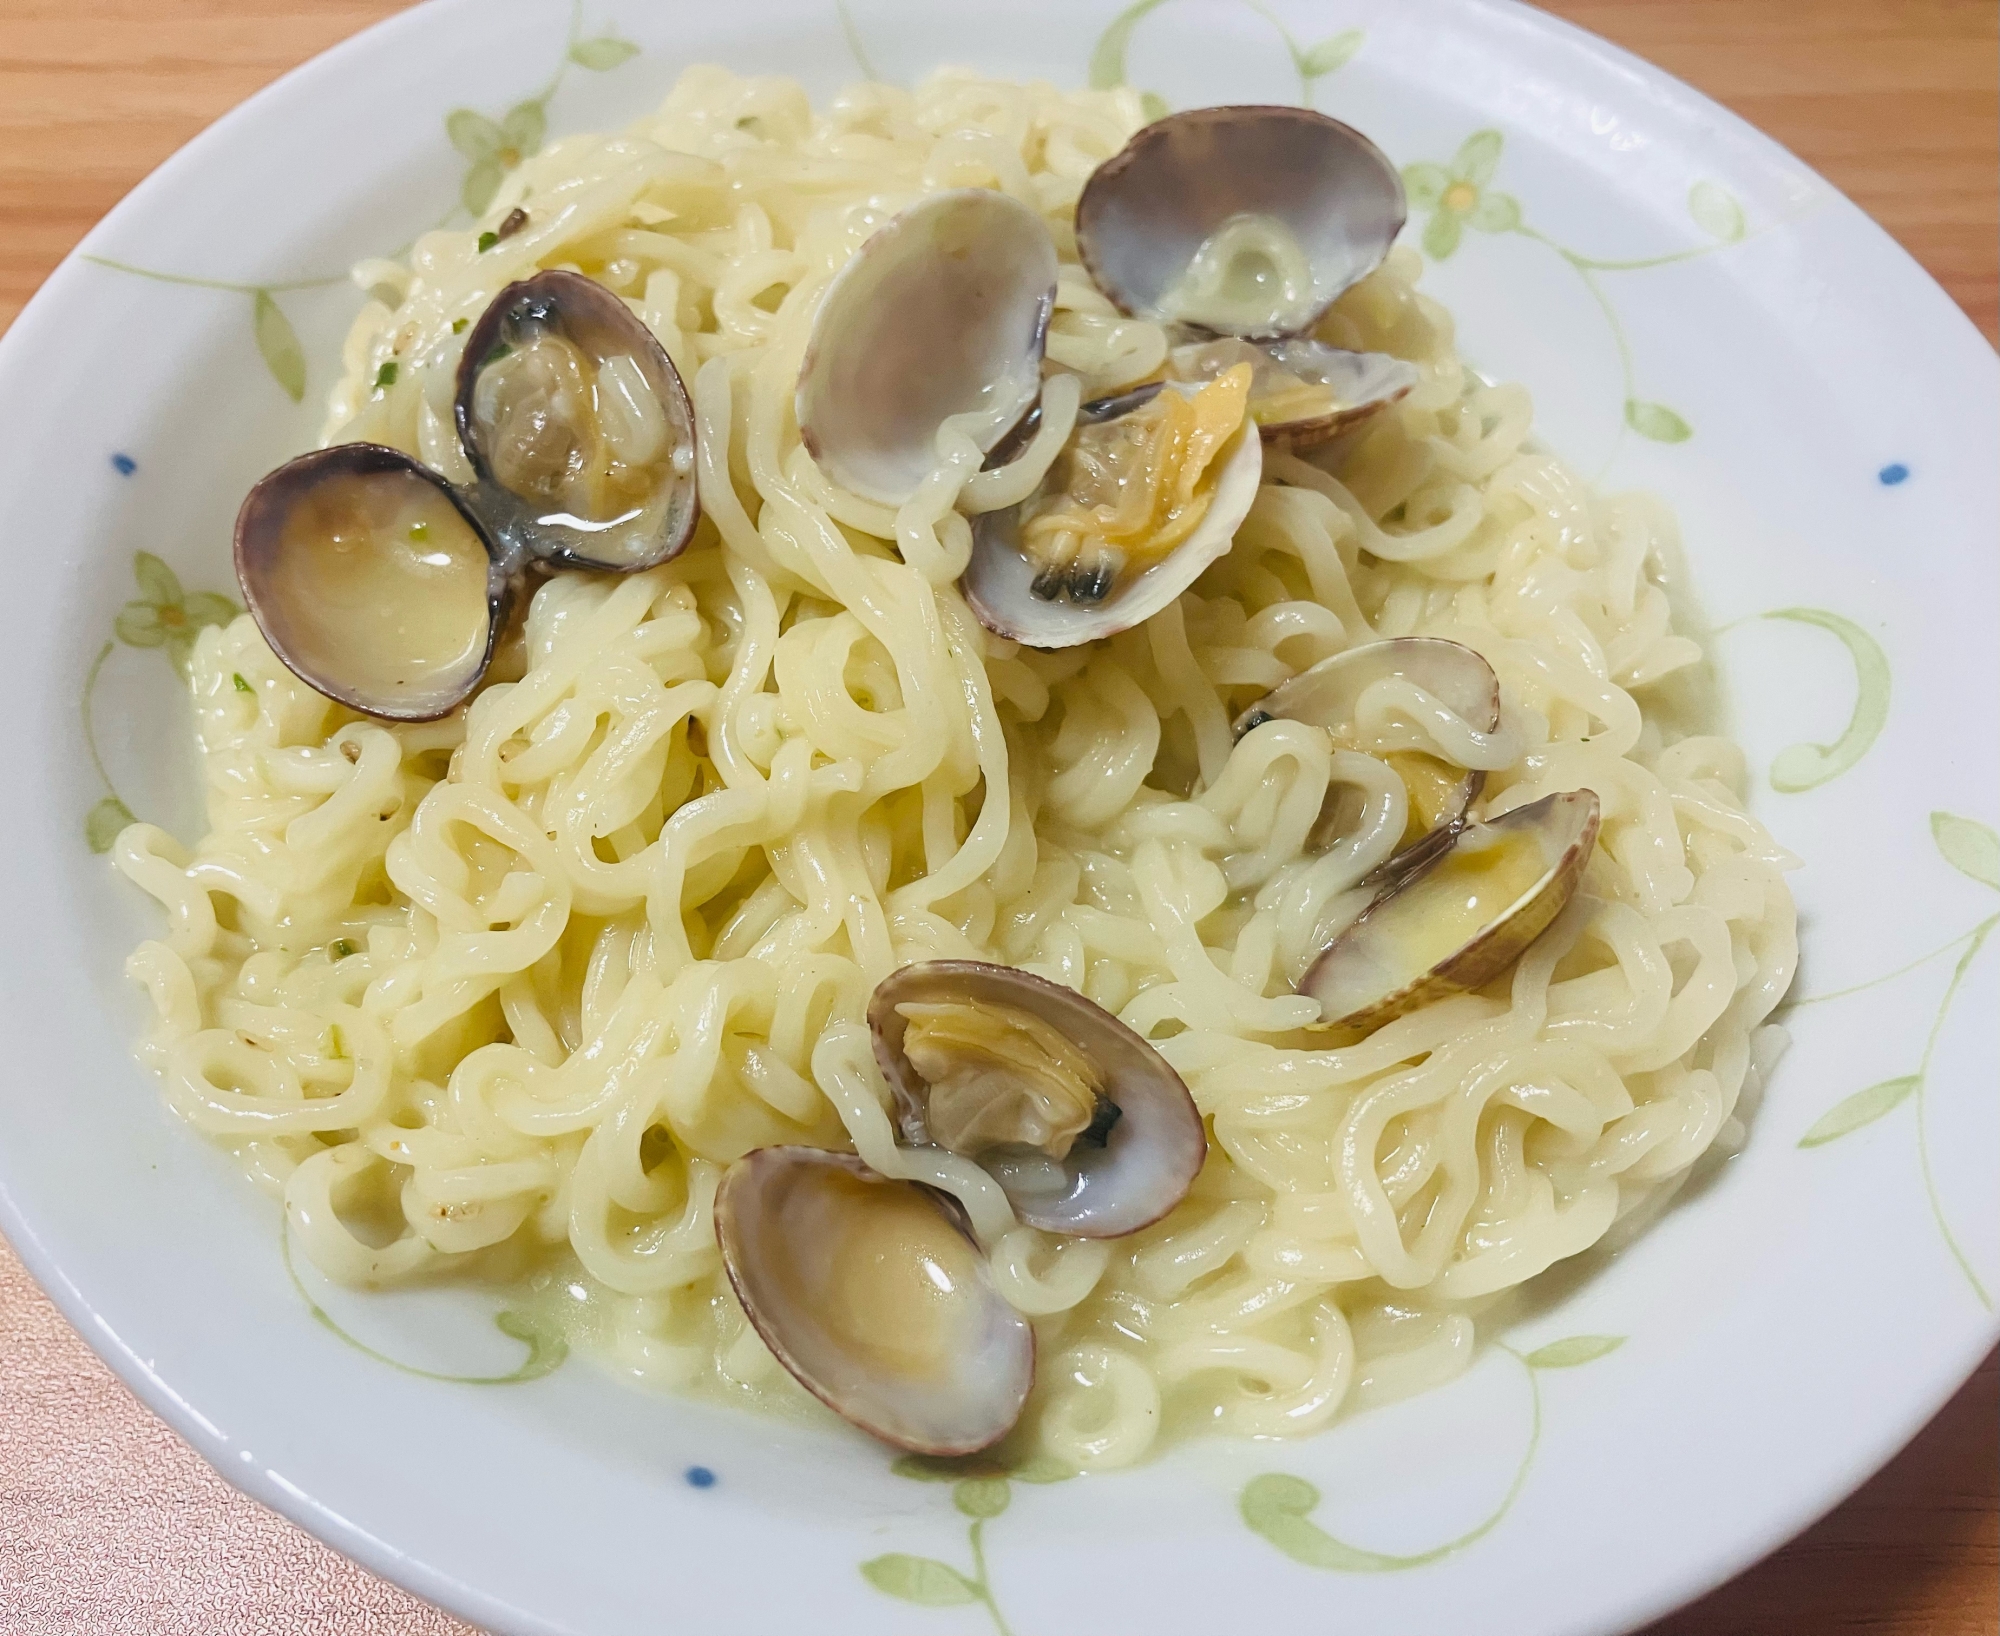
1300	389
1242	226
386	588
941	315
372	579
1084	1125
1149	491
1330	695
876	1299
1459	918
1246	221
579	430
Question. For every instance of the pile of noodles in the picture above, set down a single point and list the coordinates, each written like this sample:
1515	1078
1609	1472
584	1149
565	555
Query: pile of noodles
508	991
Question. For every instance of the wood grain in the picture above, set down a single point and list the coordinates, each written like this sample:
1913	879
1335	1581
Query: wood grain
1894	100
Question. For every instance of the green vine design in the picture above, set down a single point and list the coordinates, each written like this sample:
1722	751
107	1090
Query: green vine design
161	616
277	342
1311	63
491	148
1279	1507
980	1491
1458	195
1973	849
546	1347
1807	766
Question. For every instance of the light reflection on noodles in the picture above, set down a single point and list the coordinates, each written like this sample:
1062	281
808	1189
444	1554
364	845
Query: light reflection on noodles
520	983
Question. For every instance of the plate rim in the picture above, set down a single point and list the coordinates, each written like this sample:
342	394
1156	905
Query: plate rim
460	1597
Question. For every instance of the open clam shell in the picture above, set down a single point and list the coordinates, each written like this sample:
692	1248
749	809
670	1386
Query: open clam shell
1458	919
578	428
372	580
942	314
1303	391
1001	580
1129	1170
873	1296
1241	220
1329	695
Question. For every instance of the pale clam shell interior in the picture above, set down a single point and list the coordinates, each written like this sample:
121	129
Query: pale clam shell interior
1145	212
394	631
943	312
795	1224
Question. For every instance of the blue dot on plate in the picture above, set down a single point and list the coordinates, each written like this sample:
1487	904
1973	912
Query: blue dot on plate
700	1477
124	464
1893	474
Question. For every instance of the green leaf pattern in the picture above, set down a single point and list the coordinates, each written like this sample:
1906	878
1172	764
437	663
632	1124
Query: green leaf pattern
1716	211
1574	1350
1862	1108
1973	849
278	345
919	1579
1278	1507
163	615
980	1490
1970	847
603	54
1457	197
1656	421
491	148
1312	63
1331	54
105	822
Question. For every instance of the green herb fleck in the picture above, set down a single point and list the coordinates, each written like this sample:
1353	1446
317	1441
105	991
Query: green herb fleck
241	685
487	241
460	325
385	377
419	532
341	948
499	350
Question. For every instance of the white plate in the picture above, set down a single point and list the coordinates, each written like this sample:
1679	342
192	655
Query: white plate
1694	311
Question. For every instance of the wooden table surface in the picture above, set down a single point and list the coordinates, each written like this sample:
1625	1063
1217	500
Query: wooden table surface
1894	100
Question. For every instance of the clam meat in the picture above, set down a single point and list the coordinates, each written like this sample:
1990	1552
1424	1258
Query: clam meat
1149	490
874	1296
1084	1125
1300	389
578	428
386	588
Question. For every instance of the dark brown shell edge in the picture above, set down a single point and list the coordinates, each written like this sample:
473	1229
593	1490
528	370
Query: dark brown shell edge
1310	434
1489	953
